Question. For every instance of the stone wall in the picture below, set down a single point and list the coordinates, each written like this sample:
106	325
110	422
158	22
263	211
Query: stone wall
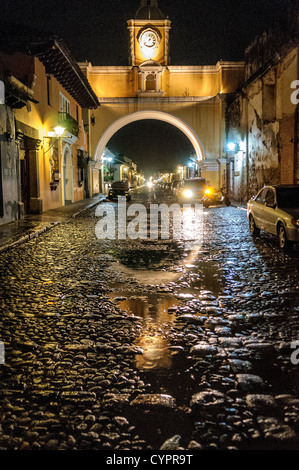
9	207
262	119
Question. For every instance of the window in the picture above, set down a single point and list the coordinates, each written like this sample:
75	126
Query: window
269	102
269	197
64	104
151	81
261	196
150	76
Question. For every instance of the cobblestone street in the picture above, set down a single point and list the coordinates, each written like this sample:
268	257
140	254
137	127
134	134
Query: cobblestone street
135	345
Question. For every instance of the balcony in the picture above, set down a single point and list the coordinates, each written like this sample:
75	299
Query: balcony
70	124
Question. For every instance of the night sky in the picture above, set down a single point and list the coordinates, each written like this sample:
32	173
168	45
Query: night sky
203	32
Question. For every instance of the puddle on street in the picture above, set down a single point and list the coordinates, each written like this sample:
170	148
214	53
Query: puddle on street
157	313
192	276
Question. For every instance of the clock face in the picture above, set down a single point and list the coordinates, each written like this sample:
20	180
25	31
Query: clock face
149	39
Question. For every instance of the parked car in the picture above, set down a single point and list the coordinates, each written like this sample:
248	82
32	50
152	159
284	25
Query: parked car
192	190
119	188
275	209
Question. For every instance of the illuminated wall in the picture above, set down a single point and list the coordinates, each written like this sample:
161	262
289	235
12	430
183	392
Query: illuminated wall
36	120
194	94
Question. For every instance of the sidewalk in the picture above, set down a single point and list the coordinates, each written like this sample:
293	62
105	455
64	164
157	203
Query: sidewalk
33	225
239	205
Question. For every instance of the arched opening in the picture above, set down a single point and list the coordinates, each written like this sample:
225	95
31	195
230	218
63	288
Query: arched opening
67	177
152	115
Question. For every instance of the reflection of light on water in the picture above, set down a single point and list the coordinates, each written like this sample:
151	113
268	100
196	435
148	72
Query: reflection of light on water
193	225
152	338
156	354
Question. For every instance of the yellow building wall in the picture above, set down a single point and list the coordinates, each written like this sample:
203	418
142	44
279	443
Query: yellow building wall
186	82
121	82
44	117
114	81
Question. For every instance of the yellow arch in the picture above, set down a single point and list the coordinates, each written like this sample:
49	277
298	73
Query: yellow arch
154	115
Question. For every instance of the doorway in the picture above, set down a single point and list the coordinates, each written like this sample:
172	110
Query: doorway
25	180
67	177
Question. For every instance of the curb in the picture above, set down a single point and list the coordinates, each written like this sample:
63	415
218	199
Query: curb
25	239
39	232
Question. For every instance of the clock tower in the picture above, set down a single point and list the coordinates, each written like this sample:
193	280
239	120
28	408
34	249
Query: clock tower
149	35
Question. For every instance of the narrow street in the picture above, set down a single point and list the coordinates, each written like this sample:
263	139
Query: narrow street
142	344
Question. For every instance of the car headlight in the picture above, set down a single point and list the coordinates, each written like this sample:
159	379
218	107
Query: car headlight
295	222
187	193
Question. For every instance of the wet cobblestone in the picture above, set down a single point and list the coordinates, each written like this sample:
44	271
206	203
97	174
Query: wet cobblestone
84	370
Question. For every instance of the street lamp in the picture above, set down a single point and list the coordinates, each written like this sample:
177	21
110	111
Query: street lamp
56	135
59	131
231	146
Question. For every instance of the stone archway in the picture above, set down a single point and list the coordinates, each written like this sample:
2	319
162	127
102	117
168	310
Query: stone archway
153	115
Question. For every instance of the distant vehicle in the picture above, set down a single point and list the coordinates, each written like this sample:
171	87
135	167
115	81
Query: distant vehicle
192	190
213	196
275	209
176	186
119	188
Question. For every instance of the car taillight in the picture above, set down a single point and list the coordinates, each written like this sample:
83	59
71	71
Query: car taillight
295	222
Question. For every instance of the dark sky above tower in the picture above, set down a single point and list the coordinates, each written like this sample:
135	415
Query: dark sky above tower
203	31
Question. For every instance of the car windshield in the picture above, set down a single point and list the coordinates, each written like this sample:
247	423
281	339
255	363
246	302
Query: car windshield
195	183
119	184
288	198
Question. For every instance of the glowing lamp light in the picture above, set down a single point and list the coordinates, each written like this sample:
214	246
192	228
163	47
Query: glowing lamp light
59	131
231	146
150	184
188	193
208	192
